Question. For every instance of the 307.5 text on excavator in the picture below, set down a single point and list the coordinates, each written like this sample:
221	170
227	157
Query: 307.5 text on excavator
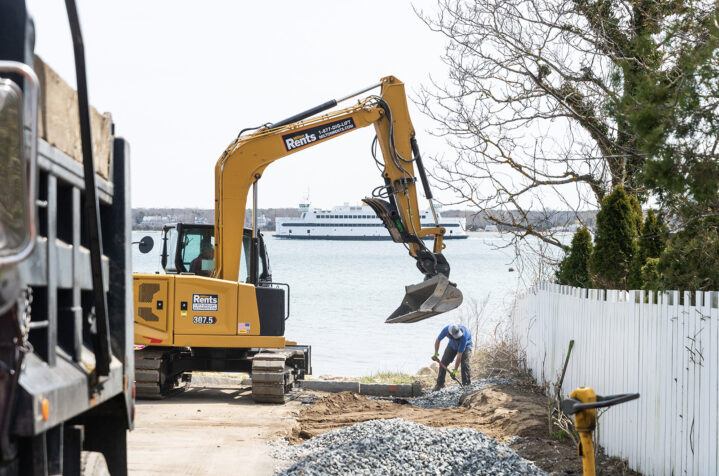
217	308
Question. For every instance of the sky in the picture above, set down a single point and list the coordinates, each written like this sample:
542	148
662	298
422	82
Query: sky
182	78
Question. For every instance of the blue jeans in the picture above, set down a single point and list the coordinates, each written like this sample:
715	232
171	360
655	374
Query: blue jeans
447	358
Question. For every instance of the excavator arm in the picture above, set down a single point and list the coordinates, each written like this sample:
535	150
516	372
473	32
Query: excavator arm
244	161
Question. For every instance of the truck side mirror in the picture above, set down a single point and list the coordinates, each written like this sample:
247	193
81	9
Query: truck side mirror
145	244
17	194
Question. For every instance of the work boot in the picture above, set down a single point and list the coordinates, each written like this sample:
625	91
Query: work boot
437	388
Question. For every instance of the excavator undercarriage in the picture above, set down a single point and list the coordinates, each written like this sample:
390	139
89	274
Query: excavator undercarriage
154	377
275	374
162	371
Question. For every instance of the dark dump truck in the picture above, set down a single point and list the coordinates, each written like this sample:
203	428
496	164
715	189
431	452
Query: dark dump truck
66	362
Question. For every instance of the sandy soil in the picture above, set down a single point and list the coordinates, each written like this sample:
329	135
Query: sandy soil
207	431
500	412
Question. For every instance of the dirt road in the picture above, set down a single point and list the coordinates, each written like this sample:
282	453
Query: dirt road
207	431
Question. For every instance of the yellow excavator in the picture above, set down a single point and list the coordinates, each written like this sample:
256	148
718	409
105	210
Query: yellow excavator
216	307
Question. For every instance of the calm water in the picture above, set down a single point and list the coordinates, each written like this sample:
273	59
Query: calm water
342	291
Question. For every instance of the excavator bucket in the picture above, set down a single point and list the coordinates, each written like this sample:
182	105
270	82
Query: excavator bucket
431	297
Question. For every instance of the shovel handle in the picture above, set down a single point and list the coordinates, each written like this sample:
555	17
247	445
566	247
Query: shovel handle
450	373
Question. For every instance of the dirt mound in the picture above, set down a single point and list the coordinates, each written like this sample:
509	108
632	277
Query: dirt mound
506	412
345	409
500	412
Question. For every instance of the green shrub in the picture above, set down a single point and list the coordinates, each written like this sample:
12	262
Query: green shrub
574	268
690	261
615	242
638	215
650	274
654	236
651	244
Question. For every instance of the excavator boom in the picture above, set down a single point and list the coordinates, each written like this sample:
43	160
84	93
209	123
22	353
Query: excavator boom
395	202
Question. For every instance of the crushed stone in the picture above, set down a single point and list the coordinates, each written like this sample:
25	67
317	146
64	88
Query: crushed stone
398	447
450	396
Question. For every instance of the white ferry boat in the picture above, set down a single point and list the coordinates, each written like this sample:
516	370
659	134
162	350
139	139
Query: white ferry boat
353	223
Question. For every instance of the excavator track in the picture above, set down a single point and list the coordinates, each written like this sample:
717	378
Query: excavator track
152	380
274	375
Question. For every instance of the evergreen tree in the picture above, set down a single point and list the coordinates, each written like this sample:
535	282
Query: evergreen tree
690	261
674	114
638	214
654	236
650	275
574	268
615	242
651	245
635	279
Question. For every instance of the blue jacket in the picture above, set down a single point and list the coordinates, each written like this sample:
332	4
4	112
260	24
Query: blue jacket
461	344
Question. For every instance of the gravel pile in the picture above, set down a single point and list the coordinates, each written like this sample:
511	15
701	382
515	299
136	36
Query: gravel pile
398	447
449	396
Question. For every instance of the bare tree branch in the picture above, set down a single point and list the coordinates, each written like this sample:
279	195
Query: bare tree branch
535	104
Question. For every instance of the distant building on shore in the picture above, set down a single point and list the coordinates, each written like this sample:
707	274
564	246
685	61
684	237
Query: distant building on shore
158	219
570	228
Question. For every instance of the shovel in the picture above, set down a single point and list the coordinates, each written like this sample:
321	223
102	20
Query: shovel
450	373
430	297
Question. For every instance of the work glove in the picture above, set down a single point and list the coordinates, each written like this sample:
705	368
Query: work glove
435	356
454	373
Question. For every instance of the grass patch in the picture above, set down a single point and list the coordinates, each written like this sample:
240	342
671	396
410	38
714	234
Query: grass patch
388	378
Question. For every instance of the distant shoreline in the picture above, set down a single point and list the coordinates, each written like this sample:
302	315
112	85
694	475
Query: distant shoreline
471	233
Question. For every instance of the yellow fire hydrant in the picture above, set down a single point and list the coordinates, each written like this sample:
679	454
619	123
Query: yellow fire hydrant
585	421
583	404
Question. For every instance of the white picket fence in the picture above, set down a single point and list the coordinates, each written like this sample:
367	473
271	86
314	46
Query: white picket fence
666	351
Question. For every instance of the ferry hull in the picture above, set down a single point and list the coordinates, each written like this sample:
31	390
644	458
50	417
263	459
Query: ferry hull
354	223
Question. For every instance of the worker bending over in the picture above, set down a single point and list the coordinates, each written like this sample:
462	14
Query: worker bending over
460	345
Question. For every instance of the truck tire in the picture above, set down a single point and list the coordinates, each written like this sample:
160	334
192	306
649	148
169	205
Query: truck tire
92	463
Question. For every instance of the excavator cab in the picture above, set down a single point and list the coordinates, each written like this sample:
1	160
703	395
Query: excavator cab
185	243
